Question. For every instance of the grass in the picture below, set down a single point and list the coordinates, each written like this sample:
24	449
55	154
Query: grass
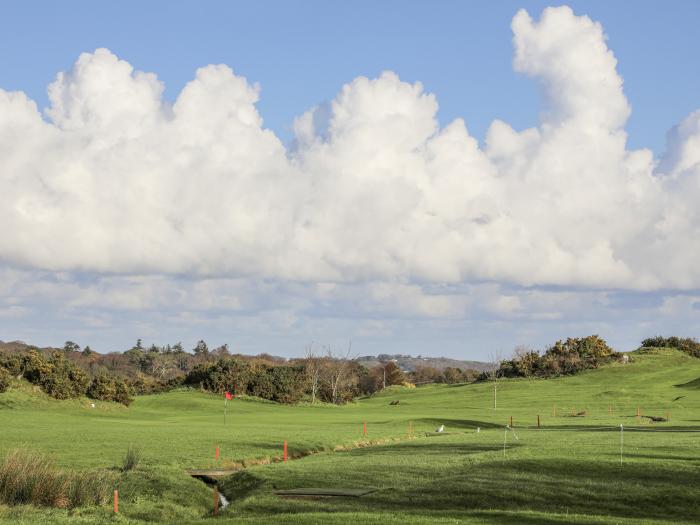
566	472
132	458
32	478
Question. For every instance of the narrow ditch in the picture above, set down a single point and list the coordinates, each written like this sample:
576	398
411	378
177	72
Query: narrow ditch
214	483
211	477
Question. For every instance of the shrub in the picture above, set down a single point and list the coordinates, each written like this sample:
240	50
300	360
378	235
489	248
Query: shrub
227	374
5	378
685	344
31	478
564	357
13	363
57	376
109	388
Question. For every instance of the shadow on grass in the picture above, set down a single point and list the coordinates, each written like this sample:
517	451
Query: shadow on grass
459	423
438	483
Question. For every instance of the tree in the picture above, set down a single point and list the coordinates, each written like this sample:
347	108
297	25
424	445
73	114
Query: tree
221	351
393	374
313	365
70	346
337	368
159	364
426	374
201	349
87	351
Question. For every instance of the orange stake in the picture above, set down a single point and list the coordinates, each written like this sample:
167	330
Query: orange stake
216	454
364	427
116	502
285	450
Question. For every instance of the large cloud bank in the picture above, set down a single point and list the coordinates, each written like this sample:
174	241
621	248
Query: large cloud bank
113	179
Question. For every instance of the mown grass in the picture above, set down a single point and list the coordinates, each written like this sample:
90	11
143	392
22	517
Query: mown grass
566	472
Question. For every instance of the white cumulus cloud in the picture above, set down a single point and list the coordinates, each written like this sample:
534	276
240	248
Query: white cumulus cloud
112	179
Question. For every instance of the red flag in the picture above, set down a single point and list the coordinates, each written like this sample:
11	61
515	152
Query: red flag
228	395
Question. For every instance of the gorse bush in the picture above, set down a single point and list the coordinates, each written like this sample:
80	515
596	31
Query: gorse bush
109	388
565	357
685	344
131	459
63	379
281	383
57	376
32	478
5	379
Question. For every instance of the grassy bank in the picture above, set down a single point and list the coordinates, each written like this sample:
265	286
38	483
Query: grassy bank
568	471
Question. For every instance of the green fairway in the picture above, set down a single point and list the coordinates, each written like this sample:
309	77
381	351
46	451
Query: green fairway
568	471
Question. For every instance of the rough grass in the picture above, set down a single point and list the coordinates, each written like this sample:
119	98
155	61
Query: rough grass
131	459
32	478
569	471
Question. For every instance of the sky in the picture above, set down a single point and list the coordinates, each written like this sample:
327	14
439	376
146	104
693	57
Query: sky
434	178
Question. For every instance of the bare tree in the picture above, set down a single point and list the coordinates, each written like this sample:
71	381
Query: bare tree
337	369
160	364
313	364
494	372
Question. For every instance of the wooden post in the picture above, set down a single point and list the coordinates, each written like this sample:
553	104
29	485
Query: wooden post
538	421
639	412
285	450
216	502
610	410
116	502
511	421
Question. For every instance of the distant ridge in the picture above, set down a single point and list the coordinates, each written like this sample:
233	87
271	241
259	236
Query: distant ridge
409	363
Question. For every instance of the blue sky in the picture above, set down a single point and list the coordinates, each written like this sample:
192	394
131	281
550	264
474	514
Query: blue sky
175	216
302	52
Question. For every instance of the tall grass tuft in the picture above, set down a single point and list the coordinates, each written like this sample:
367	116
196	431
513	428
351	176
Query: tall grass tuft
132	458
31	478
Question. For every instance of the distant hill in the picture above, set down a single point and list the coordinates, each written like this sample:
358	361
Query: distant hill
409	363
21	346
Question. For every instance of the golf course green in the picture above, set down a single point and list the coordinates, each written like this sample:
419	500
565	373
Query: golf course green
592	459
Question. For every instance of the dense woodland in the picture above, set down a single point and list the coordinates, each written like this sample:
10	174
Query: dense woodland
320	376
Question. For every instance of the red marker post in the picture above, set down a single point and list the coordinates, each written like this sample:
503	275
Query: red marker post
216	454
116	502
364	427
285	450
227	398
